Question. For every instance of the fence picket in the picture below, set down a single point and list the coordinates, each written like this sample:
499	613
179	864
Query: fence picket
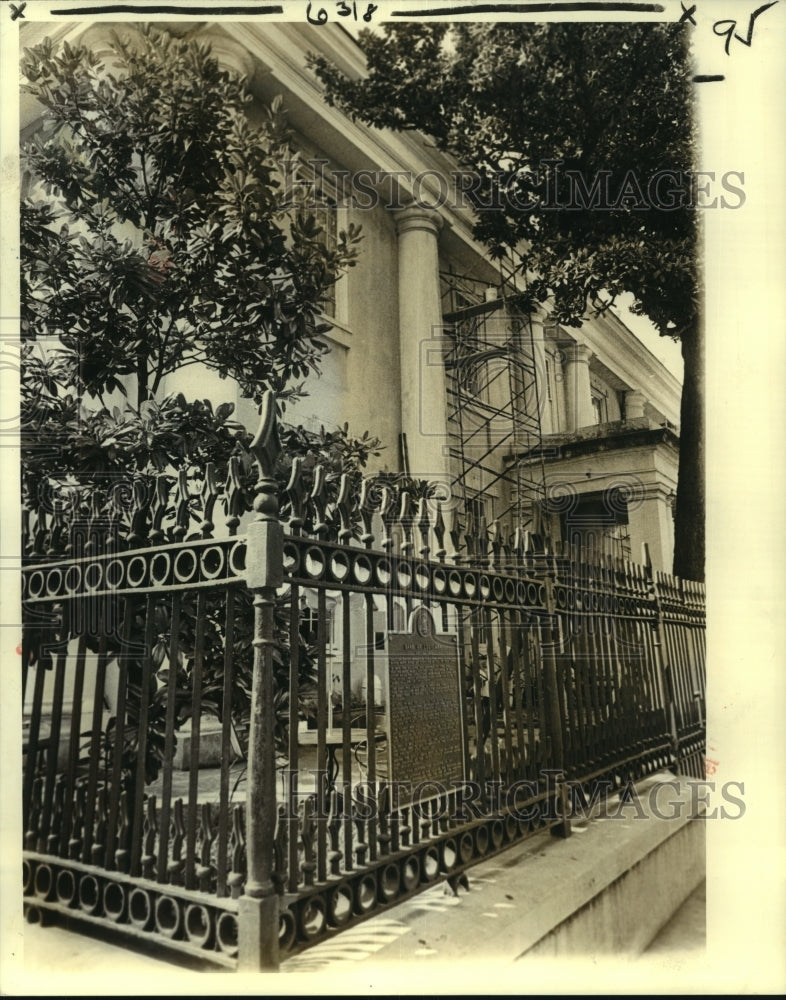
222	887
169	739
196	728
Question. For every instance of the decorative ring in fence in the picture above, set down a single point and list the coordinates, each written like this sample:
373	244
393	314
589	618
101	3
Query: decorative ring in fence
211	563
466	847
404	575
114	573
54	580
36	585
449	854
93	576
185	567
384	572
73	578
389	883
89	894
160	569
422	578
340	905
314	562
339	566
227	933
199	925
168	916
286	930
115	899
140	909
410	873
366	894
361	570
136	571
312	917
430	864
43	882
65	887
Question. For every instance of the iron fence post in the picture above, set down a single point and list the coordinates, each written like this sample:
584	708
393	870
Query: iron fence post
258	908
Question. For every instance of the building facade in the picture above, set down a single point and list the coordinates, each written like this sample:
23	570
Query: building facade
520	421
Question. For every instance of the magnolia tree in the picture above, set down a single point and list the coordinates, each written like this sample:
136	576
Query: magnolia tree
159	232
581	139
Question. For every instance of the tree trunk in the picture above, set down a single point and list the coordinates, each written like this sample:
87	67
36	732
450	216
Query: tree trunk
142	393
690	514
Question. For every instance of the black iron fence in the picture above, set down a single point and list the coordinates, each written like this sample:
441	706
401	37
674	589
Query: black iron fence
238	744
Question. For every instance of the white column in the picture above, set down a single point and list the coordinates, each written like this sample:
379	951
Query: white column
578	395
549	409
497	333
651	521
424	408
634	405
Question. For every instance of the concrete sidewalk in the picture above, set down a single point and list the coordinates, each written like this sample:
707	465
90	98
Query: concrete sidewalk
686	932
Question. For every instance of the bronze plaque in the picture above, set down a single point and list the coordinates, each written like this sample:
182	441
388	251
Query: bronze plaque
425	720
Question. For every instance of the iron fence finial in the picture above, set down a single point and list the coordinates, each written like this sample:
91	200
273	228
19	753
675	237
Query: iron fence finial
265	450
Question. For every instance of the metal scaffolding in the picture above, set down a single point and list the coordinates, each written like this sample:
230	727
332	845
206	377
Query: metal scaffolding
494	422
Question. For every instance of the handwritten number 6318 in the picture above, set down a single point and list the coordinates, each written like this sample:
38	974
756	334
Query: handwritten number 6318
343	9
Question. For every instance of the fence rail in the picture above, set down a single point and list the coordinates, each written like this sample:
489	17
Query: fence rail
239	744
